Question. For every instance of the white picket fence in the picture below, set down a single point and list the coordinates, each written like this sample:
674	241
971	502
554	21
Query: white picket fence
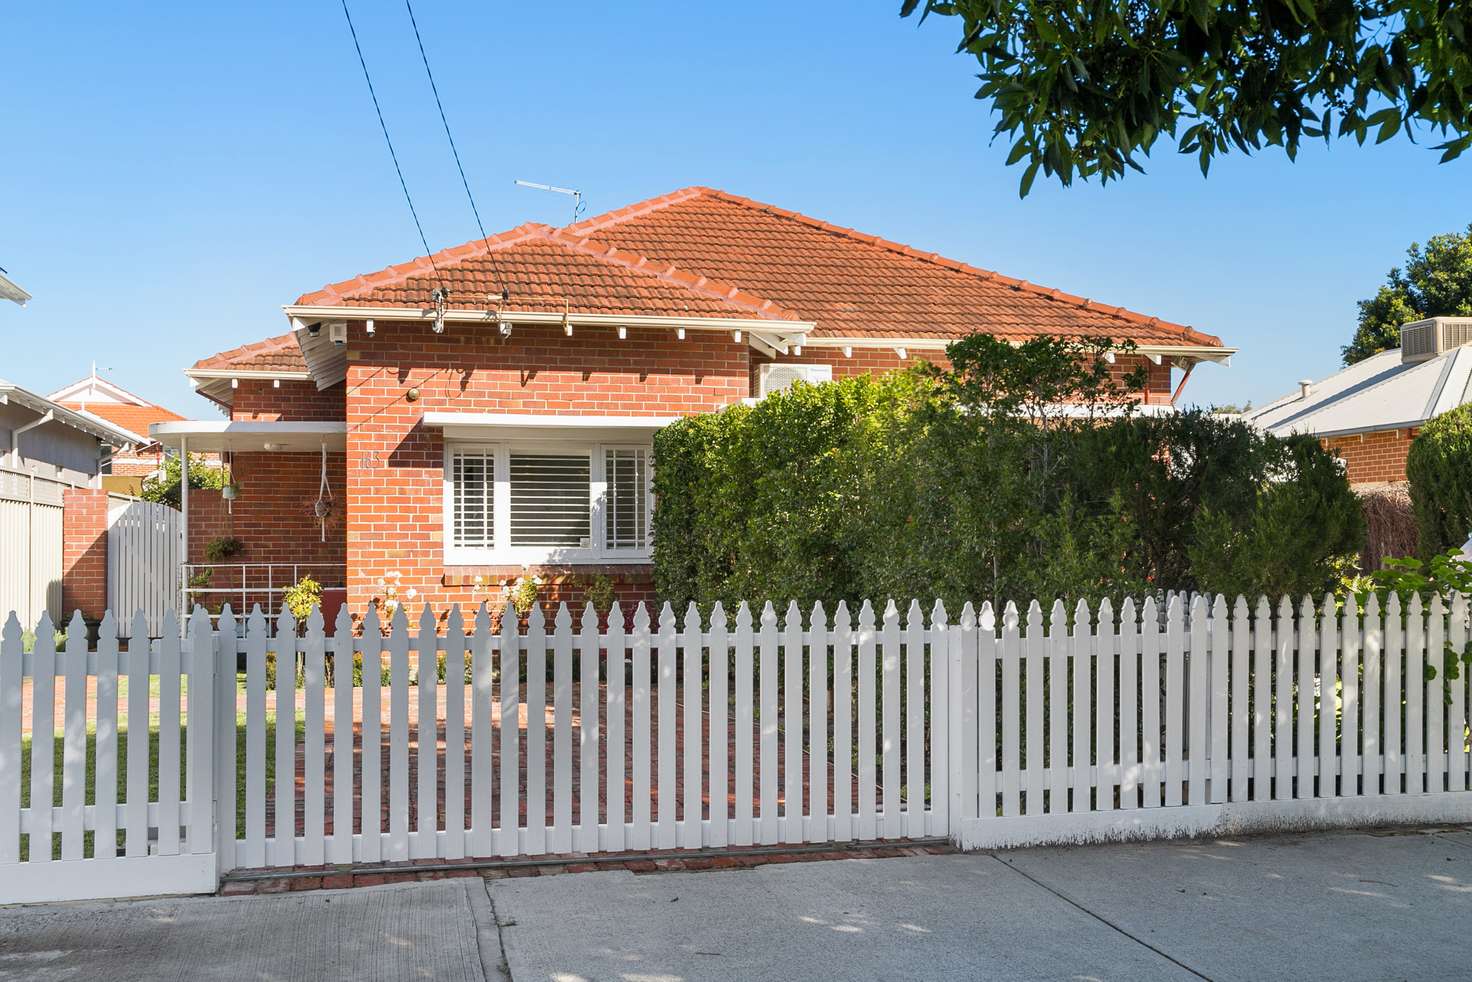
705	733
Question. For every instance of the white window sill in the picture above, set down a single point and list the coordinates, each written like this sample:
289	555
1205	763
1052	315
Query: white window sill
544	557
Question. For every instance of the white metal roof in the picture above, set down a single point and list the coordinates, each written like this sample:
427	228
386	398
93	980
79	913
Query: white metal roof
1379	393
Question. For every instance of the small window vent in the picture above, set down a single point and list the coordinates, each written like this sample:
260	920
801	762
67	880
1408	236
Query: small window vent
779	378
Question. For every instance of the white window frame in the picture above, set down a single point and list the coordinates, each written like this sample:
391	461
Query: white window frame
503	553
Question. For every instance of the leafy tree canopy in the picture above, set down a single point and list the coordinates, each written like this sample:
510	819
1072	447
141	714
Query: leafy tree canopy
1435	282
1085	88
164	487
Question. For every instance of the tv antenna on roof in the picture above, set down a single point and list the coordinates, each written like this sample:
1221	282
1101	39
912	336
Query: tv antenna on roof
577	196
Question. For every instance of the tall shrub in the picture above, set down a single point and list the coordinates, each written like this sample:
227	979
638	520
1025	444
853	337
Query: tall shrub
1439	467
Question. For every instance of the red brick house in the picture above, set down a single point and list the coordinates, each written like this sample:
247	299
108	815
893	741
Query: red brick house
491	407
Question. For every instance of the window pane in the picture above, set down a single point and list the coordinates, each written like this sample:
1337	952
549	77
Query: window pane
628	504
549	500
473	522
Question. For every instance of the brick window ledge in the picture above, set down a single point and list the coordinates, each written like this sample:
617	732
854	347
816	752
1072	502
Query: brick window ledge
464	576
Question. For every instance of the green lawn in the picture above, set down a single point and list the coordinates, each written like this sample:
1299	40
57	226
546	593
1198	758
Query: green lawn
153	769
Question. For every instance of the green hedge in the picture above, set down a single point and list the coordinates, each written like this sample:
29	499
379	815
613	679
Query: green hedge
883	487
1439	467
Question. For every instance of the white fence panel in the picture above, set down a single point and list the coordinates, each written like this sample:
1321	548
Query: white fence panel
142	560
30	546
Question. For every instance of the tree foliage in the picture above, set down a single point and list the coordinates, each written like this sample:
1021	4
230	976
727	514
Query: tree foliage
1439	467
164	487
1086	88
973	484
1435	282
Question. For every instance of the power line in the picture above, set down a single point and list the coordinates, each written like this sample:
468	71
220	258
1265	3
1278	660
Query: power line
389	140
453	150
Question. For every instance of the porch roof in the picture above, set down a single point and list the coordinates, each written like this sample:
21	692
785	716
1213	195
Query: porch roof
248	436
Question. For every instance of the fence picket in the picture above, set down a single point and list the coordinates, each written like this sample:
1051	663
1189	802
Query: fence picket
11	678
454	843
815	827
1456	727
370	809
1415	755
639	809
253	852
483	838
560	839
1328	698
398	738
1393	759
588	755
314	661
891	731
1307	683
1106	770
341	850
1371	758
977	655
1079	776
1055	752
1349	676
939	700
1151	770
867	723
790	827
614	745
136	842
913	758
1011	655
283	813
1127	739
742	830
199	756
1283	759
43	739
74	741
692	693
843	723
502	836
1175	702
667	830
169	675
536	730
1260	766
1435	702
426	737
105	833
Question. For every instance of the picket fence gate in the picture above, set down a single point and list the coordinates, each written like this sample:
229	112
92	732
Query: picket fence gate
596	736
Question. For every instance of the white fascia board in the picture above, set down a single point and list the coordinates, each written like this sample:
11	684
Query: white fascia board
229	373
483	316
441	420
297	436
1194	352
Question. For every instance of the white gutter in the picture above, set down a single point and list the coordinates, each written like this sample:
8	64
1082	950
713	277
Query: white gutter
1155	352
290	375
483	316
547	421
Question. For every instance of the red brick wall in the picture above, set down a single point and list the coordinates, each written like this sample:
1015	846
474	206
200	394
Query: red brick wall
1373	458
258	399
272	512
395	521
84	552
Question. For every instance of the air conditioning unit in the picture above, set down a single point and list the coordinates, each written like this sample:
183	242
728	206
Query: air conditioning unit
1425	339
777	378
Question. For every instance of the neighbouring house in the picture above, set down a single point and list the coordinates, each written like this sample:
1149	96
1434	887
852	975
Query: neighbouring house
1368	413
130	413
433	430
45	438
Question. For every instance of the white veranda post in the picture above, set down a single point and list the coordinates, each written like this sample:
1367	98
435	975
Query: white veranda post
183	534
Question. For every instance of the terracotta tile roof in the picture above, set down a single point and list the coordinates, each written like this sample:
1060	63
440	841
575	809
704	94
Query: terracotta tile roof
857	285
134	419
278	354
544	269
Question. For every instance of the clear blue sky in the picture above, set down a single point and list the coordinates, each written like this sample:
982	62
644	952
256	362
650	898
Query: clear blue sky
171	174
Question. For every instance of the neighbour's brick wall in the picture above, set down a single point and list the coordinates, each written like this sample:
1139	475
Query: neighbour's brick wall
1373	458
395	515
84	552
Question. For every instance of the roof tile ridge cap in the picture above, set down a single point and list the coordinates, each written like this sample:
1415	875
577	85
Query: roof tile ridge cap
636	209
669	272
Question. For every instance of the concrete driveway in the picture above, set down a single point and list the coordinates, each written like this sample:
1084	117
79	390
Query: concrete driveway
1340	906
